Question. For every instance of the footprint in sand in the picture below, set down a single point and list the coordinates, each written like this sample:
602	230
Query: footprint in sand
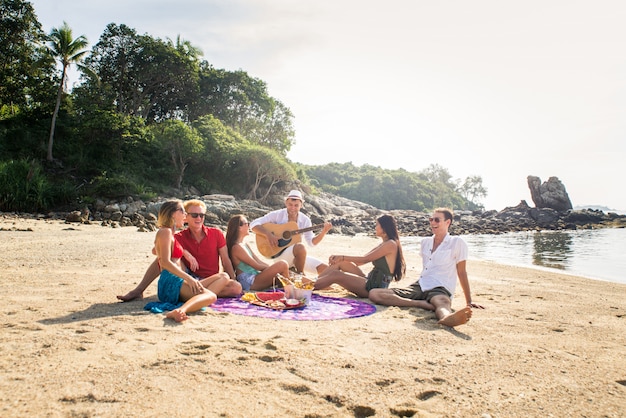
296	388
194	349
424	396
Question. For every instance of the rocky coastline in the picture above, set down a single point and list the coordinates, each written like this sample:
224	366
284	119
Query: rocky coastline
355	217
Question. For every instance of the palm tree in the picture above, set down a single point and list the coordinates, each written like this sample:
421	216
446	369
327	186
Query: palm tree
186	49
67	51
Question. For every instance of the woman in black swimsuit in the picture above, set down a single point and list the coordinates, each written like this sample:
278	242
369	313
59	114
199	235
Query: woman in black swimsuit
387	259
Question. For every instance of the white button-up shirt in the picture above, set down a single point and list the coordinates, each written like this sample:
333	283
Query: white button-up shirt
439	267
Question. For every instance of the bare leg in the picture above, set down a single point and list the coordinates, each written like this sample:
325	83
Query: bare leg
387	297
351	282
321	268
195	303
265	279
459	317
216	283
443	311
231	290
346	266
149	276
299	254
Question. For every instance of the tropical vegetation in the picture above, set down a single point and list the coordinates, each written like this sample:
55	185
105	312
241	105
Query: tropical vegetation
149	116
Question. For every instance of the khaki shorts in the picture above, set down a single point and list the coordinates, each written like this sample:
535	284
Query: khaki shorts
415	292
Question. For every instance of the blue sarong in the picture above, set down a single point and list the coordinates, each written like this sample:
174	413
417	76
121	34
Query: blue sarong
168	292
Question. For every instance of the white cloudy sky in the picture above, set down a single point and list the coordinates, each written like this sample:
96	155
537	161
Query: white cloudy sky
496	88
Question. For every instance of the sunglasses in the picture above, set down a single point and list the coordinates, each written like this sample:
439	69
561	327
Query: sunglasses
244	223
196	215
436	220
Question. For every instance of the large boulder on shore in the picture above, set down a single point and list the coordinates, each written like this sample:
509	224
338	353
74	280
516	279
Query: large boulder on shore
550	194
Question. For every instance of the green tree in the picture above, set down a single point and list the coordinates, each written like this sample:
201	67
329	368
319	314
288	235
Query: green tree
143	76
243	103
437	174
67	51
109	141
182	143
388	189
472	189
186	49
26	70
261	170
273	128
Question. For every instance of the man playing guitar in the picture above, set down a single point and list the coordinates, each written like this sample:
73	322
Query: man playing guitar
295	254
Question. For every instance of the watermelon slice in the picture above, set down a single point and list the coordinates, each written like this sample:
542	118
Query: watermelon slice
265	296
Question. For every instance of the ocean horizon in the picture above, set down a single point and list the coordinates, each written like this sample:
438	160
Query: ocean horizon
592	253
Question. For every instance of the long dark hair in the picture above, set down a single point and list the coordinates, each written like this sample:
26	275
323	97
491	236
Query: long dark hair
232	232
389	226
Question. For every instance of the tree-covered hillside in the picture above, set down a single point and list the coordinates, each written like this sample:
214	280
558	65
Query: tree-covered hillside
150	116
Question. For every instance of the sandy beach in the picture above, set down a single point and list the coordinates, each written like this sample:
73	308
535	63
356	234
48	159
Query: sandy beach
547	345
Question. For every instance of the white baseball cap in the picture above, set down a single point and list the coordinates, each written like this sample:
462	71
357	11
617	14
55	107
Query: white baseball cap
295	194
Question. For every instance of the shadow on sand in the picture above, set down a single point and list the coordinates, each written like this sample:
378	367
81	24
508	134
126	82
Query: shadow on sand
102	310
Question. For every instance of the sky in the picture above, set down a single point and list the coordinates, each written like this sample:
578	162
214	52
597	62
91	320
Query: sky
494	88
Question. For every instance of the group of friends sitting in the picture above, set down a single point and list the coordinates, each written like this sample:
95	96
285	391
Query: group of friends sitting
188	260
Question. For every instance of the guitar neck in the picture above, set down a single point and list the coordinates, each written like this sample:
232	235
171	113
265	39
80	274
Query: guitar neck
303	230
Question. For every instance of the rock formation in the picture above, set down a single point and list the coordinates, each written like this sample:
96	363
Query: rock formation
550	194
357	217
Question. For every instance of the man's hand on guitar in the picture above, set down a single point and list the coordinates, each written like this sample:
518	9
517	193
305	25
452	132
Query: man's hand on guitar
272	239
327	226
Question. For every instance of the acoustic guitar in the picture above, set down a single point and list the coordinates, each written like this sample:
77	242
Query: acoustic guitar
288	234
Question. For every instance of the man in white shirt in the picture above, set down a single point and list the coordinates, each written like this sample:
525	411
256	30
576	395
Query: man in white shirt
444	258
294	253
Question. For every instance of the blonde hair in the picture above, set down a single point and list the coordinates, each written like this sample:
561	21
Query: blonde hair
166	212
195	202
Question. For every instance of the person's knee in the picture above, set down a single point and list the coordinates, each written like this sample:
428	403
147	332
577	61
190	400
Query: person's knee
377	295
234	288
299	250
321	267
210	297
440	301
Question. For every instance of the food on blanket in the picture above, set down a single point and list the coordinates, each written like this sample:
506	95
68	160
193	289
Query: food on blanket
292	302
298	281
273	300
306	286
275	304
248	297
267	296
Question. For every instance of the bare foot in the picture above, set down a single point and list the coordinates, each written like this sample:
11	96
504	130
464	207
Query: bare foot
132	295
177	315
457	318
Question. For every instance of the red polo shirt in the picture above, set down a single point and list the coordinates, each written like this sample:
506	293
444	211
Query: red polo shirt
205	251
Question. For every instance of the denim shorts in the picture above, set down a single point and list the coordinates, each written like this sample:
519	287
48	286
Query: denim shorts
246	280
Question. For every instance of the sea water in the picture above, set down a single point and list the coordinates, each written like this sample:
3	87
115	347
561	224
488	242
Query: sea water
594	253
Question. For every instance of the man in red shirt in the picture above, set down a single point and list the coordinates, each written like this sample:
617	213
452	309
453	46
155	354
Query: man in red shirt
204	249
